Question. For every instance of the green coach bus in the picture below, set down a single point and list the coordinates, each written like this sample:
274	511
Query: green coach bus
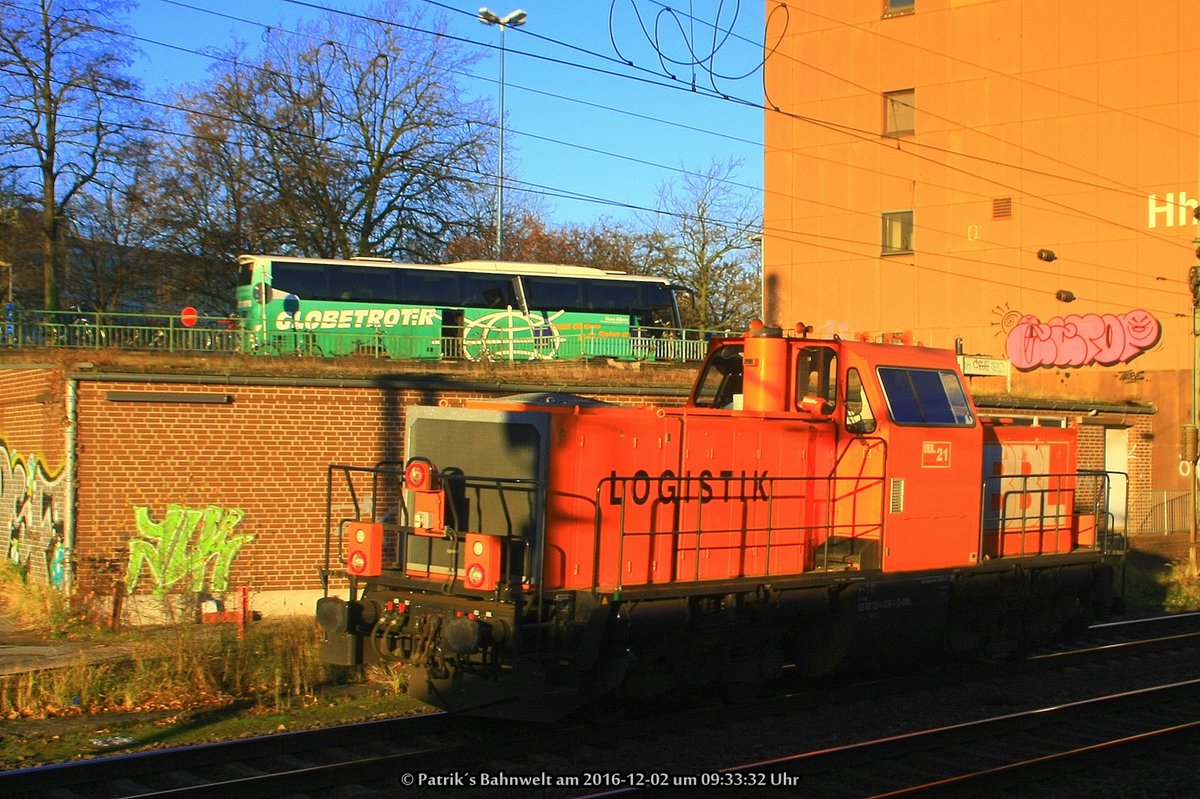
477	310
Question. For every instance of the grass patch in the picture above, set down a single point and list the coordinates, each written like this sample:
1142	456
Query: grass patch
189	684
38	607
59	740
1154	585
173	685
171	668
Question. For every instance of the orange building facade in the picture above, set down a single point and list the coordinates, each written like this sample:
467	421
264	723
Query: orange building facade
1015	178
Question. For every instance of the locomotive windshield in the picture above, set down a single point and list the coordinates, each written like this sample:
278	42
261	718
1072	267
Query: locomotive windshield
721	384
925	397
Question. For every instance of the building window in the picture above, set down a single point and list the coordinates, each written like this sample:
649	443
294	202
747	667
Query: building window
897	232
892	8
898	114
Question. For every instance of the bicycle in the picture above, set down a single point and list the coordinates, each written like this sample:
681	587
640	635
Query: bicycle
301	345
374	347
306	346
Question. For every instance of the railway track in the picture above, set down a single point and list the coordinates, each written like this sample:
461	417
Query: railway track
1001	755
440	754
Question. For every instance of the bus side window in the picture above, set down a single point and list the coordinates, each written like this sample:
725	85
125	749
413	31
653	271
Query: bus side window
487	291
859	418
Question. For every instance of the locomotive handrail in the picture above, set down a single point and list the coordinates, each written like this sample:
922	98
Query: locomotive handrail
1109	517
867	444
617	488
346	470
1068	485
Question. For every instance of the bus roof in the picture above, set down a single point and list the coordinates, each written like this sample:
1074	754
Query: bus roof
502	267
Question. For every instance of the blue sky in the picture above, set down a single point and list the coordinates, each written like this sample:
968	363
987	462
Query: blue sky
580	121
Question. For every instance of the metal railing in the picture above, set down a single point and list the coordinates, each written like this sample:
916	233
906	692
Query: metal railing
771	526
1051	513
216	334
1169	512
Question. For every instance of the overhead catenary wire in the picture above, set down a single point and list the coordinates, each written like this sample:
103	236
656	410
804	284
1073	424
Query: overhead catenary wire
545	190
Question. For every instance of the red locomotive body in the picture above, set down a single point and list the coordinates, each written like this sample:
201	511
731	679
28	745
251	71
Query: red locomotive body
815	502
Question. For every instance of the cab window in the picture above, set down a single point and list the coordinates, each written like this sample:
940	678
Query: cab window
859	417
816	380
721	384
925	397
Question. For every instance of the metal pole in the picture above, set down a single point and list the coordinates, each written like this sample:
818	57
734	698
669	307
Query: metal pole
514	18
1193	560
500	166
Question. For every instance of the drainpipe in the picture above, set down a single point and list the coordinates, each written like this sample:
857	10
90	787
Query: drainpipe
69	487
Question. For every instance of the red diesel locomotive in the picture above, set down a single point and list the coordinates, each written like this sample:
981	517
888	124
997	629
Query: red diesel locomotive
814	503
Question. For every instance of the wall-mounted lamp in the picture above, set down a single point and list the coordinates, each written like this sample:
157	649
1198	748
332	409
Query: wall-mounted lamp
1046	255
1062	295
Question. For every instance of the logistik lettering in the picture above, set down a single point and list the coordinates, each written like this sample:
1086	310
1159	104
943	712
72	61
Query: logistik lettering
668	487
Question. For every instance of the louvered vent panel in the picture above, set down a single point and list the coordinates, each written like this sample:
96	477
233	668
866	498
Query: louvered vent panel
1002	208
897	495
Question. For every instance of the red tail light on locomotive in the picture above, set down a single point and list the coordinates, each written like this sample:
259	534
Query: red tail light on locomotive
364	549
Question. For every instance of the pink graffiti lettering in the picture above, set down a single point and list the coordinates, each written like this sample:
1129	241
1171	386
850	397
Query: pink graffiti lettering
1074	340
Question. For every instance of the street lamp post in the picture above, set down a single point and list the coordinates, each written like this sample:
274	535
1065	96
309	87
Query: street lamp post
513	19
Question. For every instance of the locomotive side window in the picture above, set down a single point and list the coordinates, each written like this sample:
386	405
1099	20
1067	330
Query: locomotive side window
859	417
816	380
925	397
721	384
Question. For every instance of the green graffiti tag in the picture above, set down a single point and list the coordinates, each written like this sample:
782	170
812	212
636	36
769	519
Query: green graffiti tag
189	544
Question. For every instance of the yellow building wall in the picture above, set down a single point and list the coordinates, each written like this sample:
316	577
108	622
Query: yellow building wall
1082	118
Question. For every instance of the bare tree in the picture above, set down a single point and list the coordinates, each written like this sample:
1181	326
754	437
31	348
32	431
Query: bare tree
113	266
213	191
352	139
705	237
529	238
61	69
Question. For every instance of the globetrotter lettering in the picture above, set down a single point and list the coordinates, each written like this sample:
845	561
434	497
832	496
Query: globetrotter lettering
724	486
351	318
1104	339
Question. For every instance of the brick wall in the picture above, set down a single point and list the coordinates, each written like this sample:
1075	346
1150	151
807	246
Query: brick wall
32	411
261	450
32	457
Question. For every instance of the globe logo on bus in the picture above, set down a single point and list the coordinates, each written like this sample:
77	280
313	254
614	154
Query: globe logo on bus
510	335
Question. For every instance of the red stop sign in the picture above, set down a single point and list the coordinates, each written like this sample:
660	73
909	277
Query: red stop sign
189	316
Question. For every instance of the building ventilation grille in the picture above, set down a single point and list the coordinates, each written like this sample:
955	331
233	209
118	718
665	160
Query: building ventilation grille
897	504
1002	208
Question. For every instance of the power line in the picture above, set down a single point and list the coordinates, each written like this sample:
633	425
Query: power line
461	73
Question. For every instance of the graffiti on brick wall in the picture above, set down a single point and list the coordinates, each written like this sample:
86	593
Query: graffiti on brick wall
191	548
31	505
1079	339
